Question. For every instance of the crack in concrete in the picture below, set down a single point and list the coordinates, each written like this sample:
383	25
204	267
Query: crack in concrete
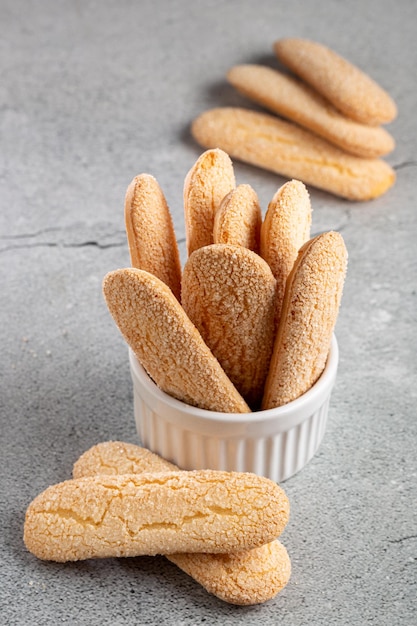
20	241
38	233
54	244
54	237
404	164
401	539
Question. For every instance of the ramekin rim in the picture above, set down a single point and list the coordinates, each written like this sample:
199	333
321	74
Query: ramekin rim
260	416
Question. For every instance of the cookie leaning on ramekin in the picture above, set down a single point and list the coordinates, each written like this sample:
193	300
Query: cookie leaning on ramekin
167	343
308	317
206	184
238	219
286	227
229	293
150	232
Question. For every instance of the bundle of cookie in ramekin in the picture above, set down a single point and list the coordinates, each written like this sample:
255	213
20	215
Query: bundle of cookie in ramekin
331	135
245	325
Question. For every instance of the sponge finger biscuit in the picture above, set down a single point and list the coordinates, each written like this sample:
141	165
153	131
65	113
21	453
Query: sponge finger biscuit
349	89
167	344
229	293
268	142
118	457
154	513
206	184
238	219
244	578
150	232
297	102
308	316
285	229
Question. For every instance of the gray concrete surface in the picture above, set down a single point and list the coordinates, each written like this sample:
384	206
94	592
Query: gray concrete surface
92	93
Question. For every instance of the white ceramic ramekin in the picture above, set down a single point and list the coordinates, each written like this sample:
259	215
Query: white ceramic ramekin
276	443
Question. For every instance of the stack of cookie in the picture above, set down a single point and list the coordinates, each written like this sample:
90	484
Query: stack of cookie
247	324
332	136
220	528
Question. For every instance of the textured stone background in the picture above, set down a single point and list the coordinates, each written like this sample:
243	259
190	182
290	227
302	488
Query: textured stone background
91	94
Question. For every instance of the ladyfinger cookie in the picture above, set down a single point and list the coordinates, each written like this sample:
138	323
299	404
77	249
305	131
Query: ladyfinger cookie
205	186
118	457
348	88
243	578
238	219
297	102
285	148
285	229
167	343
308	317
229	293
154	513
150	232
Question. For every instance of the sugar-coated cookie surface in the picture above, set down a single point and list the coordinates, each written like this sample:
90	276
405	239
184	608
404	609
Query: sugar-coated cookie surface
289	97
154	513
229	293
244	578
207	182
238	219
308	317
150	232
286	227
167	343
282	147
118	457
349	89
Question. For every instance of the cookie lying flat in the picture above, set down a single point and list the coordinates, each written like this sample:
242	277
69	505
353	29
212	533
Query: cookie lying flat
154	513
166	343
150	232
229	293
238	219
299	103
285	148
348	88
308	316
206	184
244	578
285	229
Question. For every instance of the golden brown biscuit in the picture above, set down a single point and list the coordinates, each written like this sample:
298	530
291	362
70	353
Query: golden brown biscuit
166	343
150	232
244	578
266	141
349	89
229	293
308	317
299	103
206	184
285	229
118	457
154	513
238	219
